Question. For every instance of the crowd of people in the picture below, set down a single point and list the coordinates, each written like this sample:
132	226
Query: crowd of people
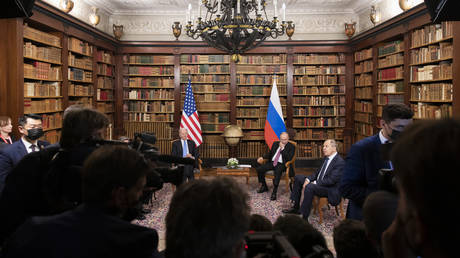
75	198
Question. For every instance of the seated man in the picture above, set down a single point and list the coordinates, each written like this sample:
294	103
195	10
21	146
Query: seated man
281	152
30	126
113	180
185	148
323	183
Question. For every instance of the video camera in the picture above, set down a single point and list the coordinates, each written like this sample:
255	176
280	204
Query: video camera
276	245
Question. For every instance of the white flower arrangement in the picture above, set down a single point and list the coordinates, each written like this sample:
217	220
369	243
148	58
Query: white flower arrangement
232	163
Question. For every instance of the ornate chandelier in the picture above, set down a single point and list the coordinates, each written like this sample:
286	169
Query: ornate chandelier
235	26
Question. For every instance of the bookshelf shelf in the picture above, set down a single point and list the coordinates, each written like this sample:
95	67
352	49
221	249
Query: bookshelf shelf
392	53
449	38
363	87
43	60
433	61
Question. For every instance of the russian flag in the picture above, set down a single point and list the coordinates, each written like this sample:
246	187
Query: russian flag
274	124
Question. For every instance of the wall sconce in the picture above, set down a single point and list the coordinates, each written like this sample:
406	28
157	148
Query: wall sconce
66	5
118	31
177	27
93	16
374	15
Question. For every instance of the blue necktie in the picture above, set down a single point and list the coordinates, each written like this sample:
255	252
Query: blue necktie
184	149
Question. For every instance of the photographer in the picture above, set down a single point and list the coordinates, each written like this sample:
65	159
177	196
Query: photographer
113	179
361	174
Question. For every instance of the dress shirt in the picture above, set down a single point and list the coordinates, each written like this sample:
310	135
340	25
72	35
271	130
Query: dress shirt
28	144
280	160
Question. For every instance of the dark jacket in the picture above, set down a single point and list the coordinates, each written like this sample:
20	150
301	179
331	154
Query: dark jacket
287	154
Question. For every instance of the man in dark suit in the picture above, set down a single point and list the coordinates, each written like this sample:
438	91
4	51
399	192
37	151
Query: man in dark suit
364	160
281	152
323	183
190	151
30	126
113	180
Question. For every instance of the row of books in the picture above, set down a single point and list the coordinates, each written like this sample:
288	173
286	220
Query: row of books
213	106
104	107
161	130
251	123
257	101
164	146
391	47
51	121
254	135
260	79
103	56
207	88
432	53
148	82
319	59
214	150
363	117
80	75
390	87
364	67
429	111
389	99
319	90
364	129
213	128
105	69
259	90
432	92
263	59
214	118
104	95
313	150
34	34
52	136
363	80
80	90
211	97
148	59
252	149
251	112
80	62
204	68
80	46
319	122
165	94
197	59
319	79
318	70
206	78
83	101
363	106
261	69
319	111
396	59
46	53
40	70
391	73
149	70
104	83
431	33
319	134
363	54
319	100
431	72
147	117
44	89
40	106
363	93
148	106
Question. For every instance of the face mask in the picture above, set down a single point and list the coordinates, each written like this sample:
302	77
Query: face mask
34	133
395	135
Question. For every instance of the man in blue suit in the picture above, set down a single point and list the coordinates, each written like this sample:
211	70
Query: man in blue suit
322	183
30	126
364	160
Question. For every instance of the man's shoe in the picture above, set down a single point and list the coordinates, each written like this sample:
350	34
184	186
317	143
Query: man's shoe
262	189
273	197
291	210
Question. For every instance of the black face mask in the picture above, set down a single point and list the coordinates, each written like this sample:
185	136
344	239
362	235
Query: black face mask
34	133
395	134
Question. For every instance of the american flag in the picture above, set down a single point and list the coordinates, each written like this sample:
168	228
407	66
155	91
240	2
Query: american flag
189	119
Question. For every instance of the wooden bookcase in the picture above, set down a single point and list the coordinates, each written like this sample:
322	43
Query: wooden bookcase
363	77
105	83
318	102
43	79
210	80
431	57
254	81
148	96
80	73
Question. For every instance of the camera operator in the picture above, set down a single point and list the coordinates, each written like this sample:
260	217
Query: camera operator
364	160
113	179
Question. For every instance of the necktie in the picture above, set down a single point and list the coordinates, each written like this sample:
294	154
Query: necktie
184	149
277	157
33	147
323	170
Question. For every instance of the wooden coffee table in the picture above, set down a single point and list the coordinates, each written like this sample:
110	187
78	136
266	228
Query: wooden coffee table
240	171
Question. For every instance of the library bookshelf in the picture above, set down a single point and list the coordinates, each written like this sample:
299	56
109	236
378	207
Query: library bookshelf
80	72
363	87
105	83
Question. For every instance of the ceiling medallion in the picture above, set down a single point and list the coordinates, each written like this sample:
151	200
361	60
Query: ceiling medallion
235	26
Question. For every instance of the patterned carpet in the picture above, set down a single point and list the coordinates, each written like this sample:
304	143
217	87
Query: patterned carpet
260	204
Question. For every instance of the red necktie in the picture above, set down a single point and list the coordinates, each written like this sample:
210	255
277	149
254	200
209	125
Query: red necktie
277	157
